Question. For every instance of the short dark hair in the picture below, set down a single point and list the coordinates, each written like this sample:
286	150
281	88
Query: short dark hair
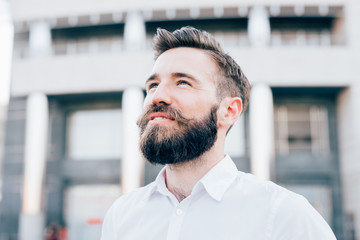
232	80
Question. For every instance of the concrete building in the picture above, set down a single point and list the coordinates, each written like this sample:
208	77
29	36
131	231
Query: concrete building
77	87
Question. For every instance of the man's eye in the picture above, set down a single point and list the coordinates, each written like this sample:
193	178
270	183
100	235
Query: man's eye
182	82
152	85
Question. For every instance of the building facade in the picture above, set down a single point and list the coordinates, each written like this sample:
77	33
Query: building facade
77	87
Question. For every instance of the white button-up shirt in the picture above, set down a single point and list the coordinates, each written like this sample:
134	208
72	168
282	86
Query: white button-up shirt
225	204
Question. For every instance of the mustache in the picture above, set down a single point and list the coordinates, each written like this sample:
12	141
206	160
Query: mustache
173	113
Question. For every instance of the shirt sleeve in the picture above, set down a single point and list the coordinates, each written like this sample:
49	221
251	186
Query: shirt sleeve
108	229
296	219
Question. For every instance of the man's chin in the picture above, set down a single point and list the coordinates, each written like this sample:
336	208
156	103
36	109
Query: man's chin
160	160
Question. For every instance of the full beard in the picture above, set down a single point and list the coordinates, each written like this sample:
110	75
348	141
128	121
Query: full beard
188	140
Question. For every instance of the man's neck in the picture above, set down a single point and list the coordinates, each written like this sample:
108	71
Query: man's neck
181	178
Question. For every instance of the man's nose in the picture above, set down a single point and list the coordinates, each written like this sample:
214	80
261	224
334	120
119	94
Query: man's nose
162	95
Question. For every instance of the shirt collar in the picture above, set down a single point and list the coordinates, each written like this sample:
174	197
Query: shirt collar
215	182
158	185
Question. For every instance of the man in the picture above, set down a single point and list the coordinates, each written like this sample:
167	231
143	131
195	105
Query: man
195	93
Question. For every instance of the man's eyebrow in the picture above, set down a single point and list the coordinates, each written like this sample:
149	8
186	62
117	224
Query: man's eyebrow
174	75
152	77
185	75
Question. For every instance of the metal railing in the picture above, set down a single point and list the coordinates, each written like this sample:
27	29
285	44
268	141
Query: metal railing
227	39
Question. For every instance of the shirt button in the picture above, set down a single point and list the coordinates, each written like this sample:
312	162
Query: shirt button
179	212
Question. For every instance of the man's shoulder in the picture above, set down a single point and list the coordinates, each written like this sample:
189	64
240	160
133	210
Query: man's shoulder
268	193
254	185
124	210
132	198
288	211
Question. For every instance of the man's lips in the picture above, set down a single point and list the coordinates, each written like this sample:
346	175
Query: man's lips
160	118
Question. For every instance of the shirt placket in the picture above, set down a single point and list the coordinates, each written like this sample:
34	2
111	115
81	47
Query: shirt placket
176	220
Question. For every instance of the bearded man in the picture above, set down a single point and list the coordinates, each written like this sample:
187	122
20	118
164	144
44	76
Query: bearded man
195	93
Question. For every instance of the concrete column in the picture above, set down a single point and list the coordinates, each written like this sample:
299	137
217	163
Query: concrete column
32	216
352	18
259	32
348	117
6	46
132	173
261	131
40	39
134	32
348	120
3	115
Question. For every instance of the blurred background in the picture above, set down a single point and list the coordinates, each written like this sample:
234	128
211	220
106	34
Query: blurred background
72	84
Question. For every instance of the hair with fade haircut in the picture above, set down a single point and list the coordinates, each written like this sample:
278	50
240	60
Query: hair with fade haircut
232	81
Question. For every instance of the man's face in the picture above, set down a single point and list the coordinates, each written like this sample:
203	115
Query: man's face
179	122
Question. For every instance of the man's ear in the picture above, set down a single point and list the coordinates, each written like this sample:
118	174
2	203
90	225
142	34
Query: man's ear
229	111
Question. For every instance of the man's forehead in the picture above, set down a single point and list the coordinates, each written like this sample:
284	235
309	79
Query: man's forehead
184	50
185	60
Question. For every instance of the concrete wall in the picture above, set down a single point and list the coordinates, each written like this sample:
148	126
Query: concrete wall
348	121
80	73
286	66
276	66
42	9
13	163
